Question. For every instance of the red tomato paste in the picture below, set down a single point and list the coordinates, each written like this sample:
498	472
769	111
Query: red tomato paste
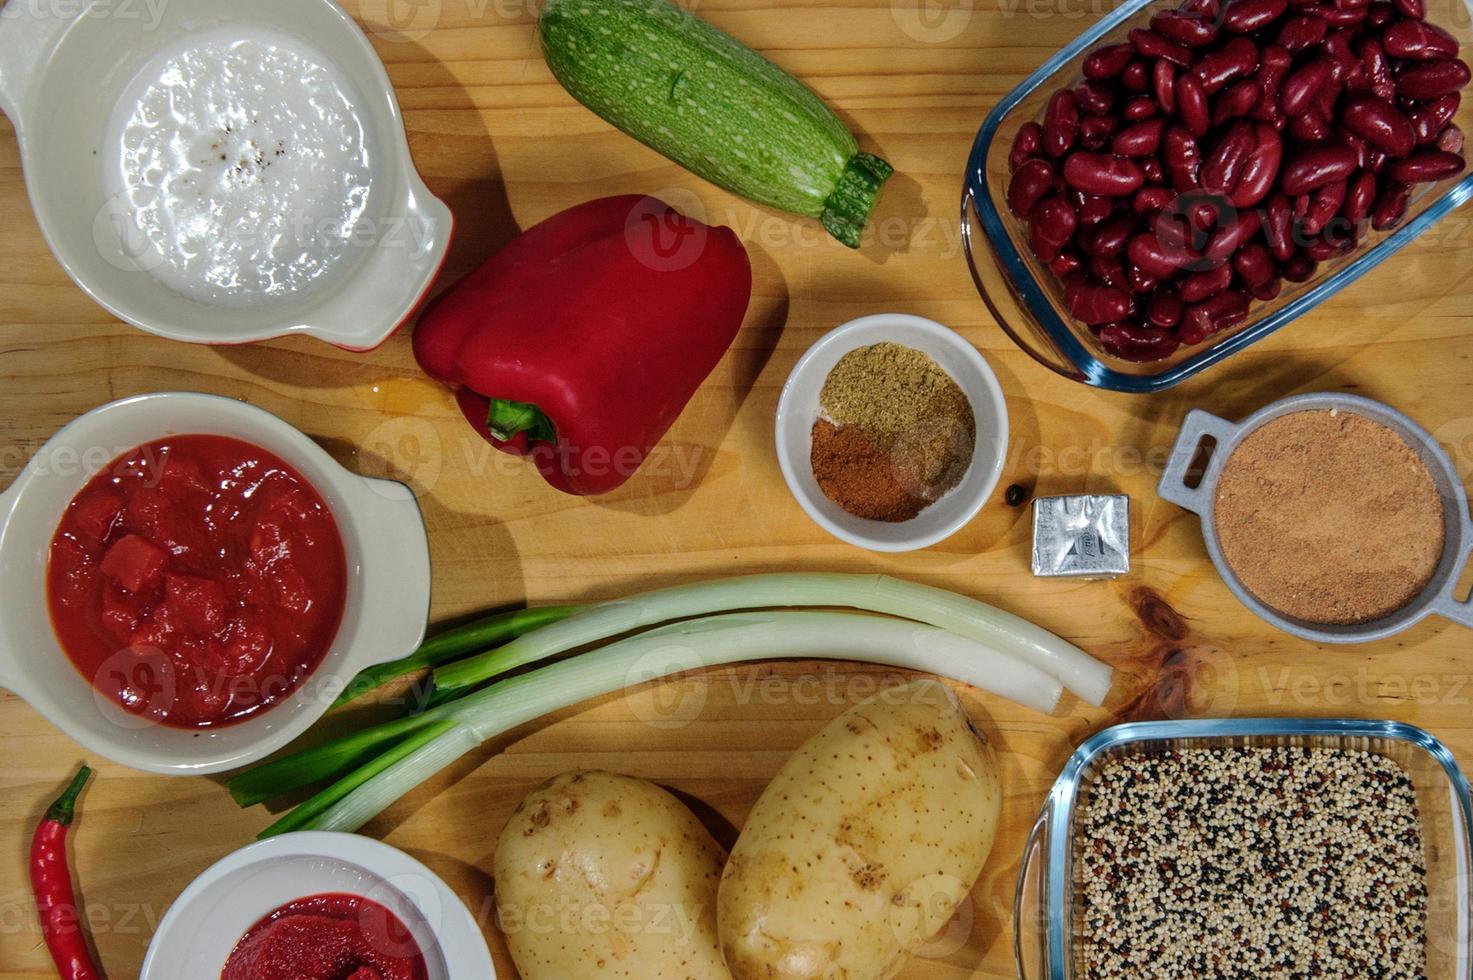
197	580
327	937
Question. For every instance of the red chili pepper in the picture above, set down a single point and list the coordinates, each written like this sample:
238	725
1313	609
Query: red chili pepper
51	879
580	342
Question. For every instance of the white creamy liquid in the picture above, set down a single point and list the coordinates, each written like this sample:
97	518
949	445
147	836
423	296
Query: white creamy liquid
240	170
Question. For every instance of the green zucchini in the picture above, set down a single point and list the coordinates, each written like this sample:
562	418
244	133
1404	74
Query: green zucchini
714	106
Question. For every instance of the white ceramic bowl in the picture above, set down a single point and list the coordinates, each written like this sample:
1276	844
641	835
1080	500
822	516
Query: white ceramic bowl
797	411
388	582
62	69
203	926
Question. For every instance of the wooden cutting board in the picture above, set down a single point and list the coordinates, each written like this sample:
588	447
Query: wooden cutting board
506	147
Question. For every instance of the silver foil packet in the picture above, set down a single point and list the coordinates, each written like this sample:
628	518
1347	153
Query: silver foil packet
1081	536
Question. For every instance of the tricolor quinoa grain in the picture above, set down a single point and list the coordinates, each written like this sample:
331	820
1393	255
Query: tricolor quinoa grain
1252	862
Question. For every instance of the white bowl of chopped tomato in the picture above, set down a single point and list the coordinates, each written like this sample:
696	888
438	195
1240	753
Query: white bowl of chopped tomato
188	582
319	906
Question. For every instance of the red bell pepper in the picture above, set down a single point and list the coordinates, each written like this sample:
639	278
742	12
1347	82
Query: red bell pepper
579	344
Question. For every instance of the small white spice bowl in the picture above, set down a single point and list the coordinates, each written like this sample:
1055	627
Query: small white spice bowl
798	410
202	928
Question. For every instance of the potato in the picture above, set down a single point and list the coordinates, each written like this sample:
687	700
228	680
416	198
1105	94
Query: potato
864	845
601	876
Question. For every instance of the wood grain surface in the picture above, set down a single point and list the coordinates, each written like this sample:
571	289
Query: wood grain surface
505	146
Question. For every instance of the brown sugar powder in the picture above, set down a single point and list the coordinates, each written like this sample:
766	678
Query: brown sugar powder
1329	517
894	435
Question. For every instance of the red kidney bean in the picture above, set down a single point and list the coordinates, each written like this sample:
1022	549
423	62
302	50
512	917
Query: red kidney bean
1154	257
1095	131
1426	166
1326	247
1184	28
1301	33
1255	264
1060	123
1141	282
1360	198
1109	61
1213	315
1429	119
1326	98
1310	127
1026	145
1139	107
1323	205
1236	100
1136	77
1030	184
1414	9
1164	309
1391	205
1200	285
1432	80
1362	149
1235	59
1067	265
1098	304
1130	342
1206	9
1247	16
1153	45
1223	166
1261	168
1140	139
1379	123
1095	98
1377	69
1163	84
1451	140
1302	86
1267	291
1278	226
1191	105
1418	40
1103	173
1233	232
1274	64
1338	46
1052	224
1149	199
1152	168
1091	208
1351	4
1343	17
1112	234
1317	166
1183	159
1298	268
1380	14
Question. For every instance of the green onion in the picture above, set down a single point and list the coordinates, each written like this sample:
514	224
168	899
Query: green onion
1080	673
658	653
470	638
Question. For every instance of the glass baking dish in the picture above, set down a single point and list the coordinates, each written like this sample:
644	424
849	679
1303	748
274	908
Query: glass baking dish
1026	298
1044	919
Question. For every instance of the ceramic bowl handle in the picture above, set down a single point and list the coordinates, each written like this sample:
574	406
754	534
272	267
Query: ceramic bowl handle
11	674
396	570
1197	426
1030	903
1446	604
28	33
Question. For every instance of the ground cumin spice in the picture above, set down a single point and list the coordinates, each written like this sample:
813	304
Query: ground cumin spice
894	434
1330	517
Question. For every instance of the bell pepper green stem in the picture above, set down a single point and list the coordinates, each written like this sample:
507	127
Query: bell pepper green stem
508	419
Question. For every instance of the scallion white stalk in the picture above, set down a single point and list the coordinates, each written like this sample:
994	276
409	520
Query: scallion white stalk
674	649
1007	634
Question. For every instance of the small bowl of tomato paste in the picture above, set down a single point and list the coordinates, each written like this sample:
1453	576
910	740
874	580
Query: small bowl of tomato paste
187	582
318	906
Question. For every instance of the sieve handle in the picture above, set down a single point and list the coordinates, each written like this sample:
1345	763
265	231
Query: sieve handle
1446	604
1194	428
1030	902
